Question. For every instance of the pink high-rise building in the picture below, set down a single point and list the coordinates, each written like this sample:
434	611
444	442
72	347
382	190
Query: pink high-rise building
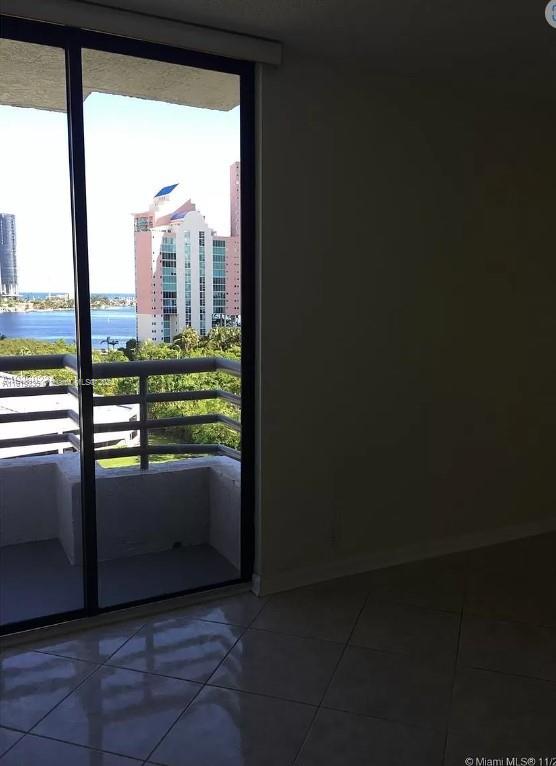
235	199
185	274
233	251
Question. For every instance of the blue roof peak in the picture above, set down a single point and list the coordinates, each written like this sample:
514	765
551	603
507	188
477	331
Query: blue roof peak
165	190
177	216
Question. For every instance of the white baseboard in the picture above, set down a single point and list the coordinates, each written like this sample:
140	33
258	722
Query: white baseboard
264	585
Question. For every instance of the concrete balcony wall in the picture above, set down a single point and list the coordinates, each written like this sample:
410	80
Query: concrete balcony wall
177	504
225	504
28	507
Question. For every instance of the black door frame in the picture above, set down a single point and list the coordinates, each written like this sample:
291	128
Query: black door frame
72	40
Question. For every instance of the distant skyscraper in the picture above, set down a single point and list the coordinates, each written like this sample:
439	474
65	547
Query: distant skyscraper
8	263
233	254
181	266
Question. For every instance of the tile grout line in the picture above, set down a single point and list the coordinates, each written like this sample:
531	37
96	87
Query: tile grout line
403	722
149	673
331	679
95	667
509	620
259	694
203	685
50	738
507	674
296	635
100	663
186	708
411	605
11	747
106	663
455	667
139	629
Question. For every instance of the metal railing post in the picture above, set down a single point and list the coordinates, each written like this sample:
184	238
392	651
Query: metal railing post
143	415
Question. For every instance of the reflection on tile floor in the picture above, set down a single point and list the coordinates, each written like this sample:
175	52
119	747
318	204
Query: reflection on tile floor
423	664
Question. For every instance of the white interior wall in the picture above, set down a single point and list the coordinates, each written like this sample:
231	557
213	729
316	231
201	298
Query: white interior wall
407	319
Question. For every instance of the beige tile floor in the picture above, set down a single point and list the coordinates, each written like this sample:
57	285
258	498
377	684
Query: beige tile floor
425	664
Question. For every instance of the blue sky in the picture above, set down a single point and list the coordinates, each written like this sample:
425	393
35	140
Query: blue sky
133	148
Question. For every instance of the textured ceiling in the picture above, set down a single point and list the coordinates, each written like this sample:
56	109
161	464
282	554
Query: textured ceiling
33	76
504	40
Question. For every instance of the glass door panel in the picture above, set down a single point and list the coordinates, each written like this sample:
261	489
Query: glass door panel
162	145
40	515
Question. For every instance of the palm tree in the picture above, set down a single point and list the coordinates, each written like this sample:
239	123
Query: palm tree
109	342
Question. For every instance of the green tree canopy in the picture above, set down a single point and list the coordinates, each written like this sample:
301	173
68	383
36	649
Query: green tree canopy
187	340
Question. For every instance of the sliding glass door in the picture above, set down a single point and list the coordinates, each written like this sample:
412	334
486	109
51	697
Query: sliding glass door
151	481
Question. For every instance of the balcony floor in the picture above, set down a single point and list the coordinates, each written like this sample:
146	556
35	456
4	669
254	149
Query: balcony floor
37	580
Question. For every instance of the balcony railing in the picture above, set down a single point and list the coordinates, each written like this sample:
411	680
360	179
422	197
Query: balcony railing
140	370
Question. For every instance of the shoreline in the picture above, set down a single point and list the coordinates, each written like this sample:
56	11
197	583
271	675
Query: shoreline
22	310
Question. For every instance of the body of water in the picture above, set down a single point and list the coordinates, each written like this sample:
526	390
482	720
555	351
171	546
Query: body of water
41	296
118	323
